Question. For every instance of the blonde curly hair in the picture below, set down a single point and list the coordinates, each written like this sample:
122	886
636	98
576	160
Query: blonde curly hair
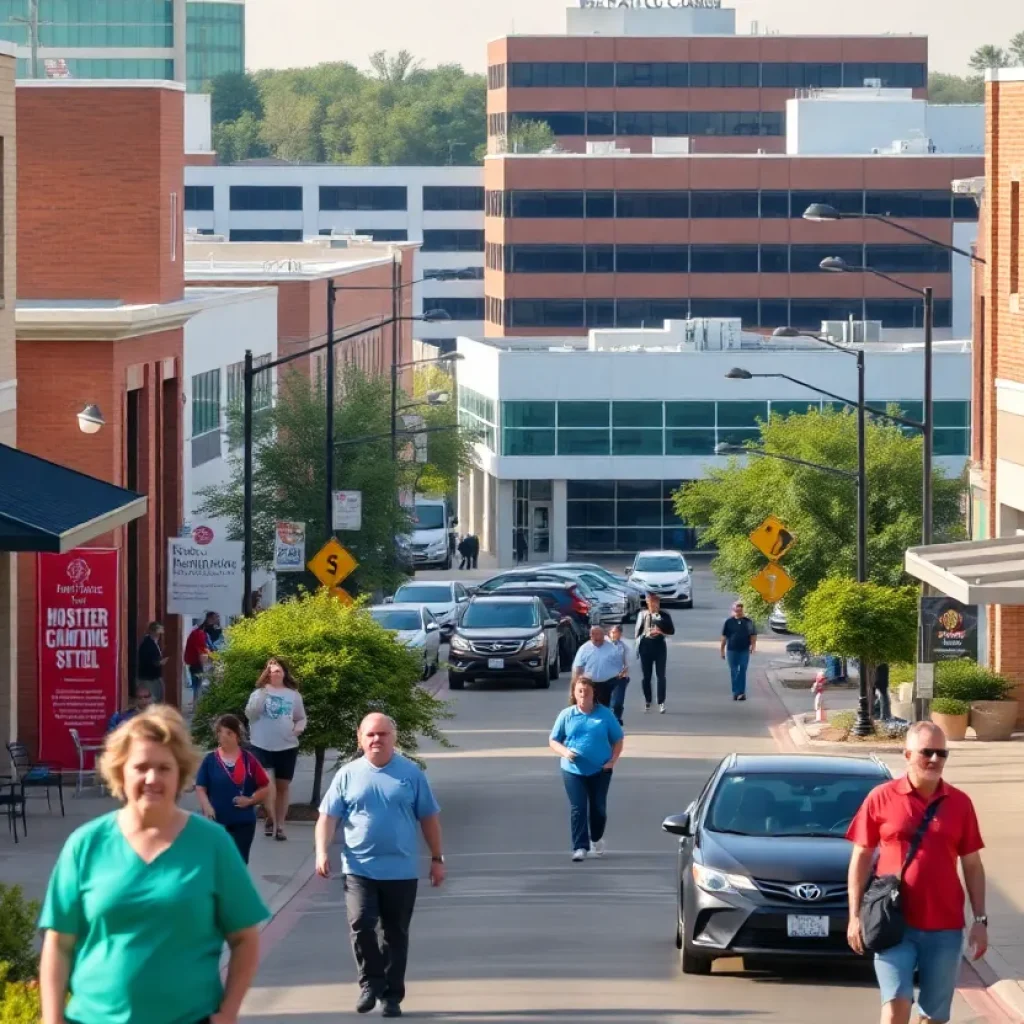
159	724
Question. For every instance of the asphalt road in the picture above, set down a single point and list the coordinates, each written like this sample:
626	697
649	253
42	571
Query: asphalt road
521	934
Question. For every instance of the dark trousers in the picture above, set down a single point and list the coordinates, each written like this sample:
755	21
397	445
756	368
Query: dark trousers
603	692
652	658
242	834
618	704
588	803
380	961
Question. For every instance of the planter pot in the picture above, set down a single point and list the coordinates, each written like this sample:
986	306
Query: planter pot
903	709
993	719
954	726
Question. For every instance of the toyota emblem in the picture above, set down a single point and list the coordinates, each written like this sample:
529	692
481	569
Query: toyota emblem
807	891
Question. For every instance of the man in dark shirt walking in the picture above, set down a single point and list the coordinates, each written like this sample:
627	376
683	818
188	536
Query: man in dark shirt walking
739	641
149	671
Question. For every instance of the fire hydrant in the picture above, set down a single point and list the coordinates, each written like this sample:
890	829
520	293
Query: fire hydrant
819	697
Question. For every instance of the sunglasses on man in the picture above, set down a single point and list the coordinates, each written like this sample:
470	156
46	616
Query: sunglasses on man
929	752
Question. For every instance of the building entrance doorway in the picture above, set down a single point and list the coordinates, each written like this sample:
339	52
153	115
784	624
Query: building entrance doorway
540	531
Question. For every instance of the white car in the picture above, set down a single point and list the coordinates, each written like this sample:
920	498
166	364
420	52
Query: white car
777	621
446	599
664	573
415	627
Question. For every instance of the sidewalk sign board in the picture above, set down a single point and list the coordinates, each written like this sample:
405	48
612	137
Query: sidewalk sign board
289	547
204	572
347	510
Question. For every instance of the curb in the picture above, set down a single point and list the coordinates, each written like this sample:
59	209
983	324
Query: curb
993	993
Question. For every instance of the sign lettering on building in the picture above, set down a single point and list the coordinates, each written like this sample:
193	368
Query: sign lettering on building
651	5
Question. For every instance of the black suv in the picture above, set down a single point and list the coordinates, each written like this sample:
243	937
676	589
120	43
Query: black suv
564	602
504	637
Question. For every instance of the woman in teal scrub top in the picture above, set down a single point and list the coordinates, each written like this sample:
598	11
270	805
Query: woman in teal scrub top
142	900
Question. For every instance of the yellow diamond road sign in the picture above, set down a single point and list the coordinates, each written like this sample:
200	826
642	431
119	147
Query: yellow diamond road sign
332	564
772	538
772	583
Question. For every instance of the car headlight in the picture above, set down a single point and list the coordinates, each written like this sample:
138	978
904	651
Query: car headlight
459	643
714	881
534	643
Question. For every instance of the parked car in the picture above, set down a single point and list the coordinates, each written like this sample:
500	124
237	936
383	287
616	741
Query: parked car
664	573
777	621
415	627
763	858
632	594
446	599
501	637
609	604
574	613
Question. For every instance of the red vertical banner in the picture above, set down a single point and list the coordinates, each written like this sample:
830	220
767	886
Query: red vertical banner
78	625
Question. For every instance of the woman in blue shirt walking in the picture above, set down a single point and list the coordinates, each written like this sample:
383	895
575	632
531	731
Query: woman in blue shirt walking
588	738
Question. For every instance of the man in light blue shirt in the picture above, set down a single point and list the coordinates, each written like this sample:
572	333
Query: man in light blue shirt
383	800
600	661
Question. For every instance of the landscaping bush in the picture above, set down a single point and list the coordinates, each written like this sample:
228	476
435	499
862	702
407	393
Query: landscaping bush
18	918
966	680
19	1000
950	706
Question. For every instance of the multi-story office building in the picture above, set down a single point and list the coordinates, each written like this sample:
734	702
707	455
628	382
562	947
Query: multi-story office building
441	208
178	40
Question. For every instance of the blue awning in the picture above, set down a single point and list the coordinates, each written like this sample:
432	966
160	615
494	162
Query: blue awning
47	507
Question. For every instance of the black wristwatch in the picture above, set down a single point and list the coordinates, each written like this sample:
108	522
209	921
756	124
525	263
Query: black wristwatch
439	859
982	919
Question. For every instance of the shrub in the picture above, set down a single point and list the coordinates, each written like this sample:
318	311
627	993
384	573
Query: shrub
843	720
950	706
18	918
966	680
19	1000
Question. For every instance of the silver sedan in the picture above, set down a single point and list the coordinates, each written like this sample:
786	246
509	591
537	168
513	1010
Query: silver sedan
415	627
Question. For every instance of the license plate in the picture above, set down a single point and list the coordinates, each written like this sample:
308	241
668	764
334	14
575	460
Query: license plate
806	926
495	662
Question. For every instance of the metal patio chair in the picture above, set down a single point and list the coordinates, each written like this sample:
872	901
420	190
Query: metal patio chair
31	774
11	799
83	747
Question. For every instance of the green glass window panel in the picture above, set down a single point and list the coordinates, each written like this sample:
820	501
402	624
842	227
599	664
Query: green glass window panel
476	404
583	442
527	442
952	442
637	442
793	408
737	435
639	513
583	414
205	402
952	414
910	410
528	414
690	414
636	414
741	414
689	442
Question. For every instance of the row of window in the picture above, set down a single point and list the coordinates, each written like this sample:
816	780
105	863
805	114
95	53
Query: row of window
662	123
465	274
457	308
764	313
705	75
722	203
336	198
92	23
207	406
103	67
710	259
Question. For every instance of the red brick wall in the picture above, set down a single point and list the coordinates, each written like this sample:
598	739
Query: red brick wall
97	167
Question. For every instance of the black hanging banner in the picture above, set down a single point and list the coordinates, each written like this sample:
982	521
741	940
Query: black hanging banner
948	630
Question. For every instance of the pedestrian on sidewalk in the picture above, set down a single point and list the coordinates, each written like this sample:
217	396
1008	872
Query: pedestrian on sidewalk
382	799
230	783
277	718
589	741
601	662
473	550
463	550
881	690
652	626
195	658
143	701
618	689
739	641
921	827
142	900
149	670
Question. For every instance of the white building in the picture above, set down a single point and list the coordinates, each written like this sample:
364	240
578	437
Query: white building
584	440
442	207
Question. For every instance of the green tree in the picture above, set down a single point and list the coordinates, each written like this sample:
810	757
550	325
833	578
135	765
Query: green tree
955	88
233	94
988	56
394	69
527	136
347	666
819	508
291	125
1016	49
240	139
18	918
449	451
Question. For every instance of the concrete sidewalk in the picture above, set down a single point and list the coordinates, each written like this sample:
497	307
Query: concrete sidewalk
992	774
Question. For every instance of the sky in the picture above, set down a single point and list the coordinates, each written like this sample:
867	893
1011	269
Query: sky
296	33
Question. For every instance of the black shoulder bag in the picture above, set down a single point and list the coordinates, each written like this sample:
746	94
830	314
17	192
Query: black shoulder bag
881	912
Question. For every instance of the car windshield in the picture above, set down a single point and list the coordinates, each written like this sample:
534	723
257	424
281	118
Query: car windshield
429	517
397	618
659	563
501	614
420	593
596	582
766	804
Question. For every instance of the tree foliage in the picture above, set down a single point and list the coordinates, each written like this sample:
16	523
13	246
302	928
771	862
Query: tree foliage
875	624
989	56
944	88
449	452
819	508
346	664
396	113
18	918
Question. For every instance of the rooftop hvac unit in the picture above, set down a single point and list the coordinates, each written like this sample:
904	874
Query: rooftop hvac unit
864	331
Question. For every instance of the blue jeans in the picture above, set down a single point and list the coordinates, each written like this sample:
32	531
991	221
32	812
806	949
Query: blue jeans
737	662
588	802
936	957
619	697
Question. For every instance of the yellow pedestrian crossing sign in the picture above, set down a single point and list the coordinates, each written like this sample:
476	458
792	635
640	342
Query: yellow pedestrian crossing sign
772	583
772	538
332	564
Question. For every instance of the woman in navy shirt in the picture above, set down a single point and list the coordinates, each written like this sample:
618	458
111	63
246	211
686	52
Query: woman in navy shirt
230	783
588	738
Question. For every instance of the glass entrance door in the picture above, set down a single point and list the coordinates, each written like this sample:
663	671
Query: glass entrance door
540	531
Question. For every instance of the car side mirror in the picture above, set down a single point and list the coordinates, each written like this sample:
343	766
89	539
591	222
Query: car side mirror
629	570
551	622
471	591
677	824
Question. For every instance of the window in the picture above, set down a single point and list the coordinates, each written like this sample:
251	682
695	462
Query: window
806	259
546	204
600	205
724	122
385	234
198	197
464	274
583	442
363	197
720	75
527	414
775	205
266	197
782	75
689	442
547	75
892	259
809	313
456	308
627	441
658	122
724	204
892	75
561	122
546	259
545	312
652	259
600	75
496	76
637	414
527	442
653	312
205	403
910	204
265	235
654	205
466	240
452	197
690	414
600	259
723	259
660	75
600	123
262	384
741	414
583	414
774	259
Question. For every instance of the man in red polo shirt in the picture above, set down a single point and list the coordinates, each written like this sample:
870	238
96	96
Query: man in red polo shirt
932	896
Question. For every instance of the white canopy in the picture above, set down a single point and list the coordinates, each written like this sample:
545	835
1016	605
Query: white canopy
973	572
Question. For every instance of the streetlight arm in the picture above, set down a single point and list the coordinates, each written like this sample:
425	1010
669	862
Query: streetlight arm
880	413
737	450
889	278
810	387
917	234
399	433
